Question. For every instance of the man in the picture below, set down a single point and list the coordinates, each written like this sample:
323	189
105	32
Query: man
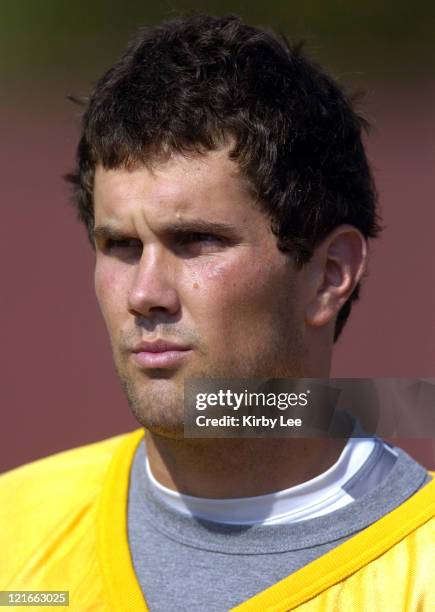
224	186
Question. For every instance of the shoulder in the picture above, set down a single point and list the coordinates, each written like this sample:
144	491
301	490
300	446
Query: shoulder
76	469
52	501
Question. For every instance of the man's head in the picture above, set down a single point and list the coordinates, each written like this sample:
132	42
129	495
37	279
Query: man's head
234	168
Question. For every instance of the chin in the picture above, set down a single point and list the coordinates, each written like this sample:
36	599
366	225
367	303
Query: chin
174	433
159	408
159	425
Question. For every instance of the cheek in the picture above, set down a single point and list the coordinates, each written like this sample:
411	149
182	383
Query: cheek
233	289
214	282
217	271
108	290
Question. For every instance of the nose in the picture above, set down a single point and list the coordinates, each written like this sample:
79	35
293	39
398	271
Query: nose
153	287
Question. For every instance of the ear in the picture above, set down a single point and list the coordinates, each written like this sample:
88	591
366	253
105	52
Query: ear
337	266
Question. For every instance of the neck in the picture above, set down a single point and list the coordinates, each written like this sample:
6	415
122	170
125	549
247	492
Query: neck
228	468
235	467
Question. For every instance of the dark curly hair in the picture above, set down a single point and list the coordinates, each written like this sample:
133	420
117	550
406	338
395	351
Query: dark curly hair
191	84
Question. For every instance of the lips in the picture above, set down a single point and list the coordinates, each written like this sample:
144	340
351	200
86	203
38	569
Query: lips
160	354
159	346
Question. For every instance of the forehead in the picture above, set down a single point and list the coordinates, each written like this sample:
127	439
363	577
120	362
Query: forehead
207	185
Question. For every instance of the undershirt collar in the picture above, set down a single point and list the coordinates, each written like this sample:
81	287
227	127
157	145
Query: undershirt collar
315	497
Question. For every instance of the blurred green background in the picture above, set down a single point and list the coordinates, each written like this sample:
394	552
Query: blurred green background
59	388
44	41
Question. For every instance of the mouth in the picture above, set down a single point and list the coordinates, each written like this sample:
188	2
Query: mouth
160	354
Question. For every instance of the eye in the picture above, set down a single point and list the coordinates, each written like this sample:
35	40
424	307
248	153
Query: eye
195	244
197	237
124	245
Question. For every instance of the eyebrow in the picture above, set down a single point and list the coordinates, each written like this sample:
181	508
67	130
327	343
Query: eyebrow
196	226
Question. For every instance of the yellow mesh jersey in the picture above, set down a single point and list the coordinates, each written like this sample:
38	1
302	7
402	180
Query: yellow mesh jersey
64	527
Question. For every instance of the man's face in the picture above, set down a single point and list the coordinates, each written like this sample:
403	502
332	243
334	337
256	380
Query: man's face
184	256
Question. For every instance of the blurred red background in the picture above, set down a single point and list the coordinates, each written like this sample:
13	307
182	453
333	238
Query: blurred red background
59	385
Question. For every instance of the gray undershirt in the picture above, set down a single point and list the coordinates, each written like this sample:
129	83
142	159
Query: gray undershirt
187	564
